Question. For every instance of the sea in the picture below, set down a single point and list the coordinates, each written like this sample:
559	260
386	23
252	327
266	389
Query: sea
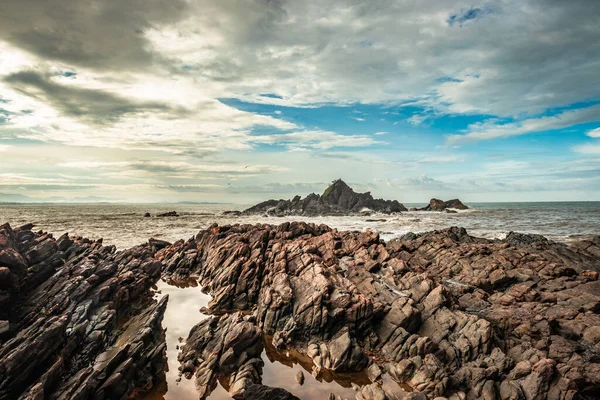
124	225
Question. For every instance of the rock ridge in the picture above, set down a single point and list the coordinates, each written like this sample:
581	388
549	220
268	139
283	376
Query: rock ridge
337	199
445	313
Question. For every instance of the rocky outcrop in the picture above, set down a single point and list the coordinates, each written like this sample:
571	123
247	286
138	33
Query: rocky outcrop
434	315
443	313
338	199
168	214
81	321
228	345
441	205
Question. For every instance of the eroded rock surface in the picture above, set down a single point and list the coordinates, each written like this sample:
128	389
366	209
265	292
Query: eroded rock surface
444	314
338	199
80	320
428	316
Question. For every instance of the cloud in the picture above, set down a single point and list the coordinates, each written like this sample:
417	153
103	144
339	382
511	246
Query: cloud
173	166
417	119
277	188
294	53
441	159
590	148
189	188
107	36
493	130
140	82
96	106
594	133
315	139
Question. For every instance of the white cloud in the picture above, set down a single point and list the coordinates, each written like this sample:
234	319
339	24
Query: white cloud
315	139
590	148
177	166
416	119
594	133
493	129
442	159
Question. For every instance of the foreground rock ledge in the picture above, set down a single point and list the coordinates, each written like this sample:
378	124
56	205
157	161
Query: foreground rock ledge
81	323
443	313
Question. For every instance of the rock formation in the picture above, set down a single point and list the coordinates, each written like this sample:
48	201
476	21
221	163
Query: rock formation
338	199
426	316
441	205
168	214
444	313
81	323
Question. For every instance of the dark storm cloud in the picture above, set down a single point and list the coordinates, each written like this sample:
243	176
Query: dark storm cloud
101	35
94	106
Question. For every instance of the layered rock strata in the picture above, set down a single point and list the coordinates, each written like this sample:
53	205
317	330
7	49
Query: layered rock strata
444	314
80	321
435	315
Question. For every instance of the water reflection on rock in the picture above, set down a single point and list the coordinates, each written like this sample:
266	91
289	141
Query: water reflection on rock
182	313
186	300
281	368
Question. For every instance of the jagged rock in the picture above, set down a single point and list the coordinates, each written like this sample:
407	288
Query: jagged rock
300	377
4	327
158	244
338	199
441	205
229	345
261	392
347	300
232	213
446	313
66	297
147	215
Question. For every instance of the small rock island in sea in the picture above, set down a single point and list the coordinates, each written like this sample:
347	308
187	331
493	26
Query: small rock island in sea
339	199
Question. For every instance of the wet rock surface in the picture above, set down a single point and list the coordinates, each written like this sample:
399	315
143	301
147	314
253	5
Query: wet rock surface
80	322
442	314
338	199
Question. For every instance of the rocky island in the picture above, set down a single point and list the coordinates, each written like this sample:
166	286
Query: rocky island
441	205
439	315
338	199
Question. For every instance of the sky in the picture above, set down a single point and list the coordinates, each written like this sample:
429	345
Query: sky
242	100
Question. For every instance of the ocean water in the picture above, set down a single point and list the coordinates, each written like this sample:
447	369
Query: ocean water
125	225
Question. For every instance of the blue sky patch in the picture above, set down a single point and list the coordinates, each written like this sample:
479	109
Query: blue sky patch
465	16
